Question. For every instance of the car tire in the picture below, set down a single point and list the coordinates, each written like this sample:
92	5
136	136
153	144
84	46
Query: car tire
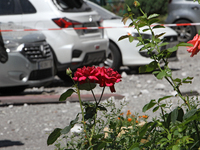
185	33
113	58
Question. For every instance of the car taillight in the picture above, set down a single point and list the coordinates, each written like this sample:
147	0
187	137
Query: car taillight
65	23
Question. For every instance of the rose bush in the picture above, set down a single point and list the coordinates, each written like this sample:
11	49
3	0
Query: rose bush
176	129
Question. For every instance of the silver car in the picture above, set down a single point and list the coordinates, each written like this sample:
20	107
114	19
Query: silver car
184	11
30	61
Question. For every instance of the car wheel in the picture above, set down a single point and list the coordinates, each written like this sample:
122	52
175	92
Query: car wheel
185	33
12	90
113	58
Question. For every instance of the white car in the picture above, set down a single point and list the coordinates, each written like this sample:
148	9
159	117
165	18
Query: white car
57	19
124	53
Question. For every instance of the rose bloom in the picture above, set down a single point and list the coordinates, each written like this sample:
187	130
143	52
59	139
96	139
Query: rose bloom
108	77
85	73
196	45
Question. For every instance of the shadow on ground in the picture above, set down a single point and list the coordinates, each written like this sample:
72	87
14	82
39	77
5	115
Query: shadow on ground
8	143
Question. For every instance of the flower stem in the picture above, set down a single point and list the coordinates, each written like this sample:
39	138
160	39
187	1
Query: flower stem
83	119
101	95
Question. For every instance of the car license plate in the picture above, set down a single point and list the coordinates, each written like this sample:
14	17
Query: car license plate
45	64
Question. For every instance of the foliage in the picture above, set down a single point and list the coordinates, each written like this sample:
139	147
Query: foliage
105	127
149	7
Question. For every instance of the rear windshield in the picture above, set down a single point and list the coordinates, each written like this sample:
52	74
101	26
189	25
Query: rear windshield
72	5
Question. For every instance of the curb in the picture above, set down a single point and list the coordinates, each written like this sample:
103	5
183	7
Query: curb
44	99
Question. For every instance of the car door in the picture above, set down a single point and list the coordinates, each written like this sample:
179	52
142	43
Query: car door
194	11
10	16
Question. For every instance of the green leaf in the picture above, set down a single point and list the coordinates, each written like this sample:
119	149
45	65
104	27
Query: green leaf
155	108
140	39
184	44
154	20
142	69
149	105
131	38
145	30
153	16
159	35
177	80
175	147
173	49
185	80
102	108
163	44
169	136
123	37
180	114
134	146
131	24
163	105
139	44
87	86
141	24
189	114
161	74
158	26
90	112
163	98
101	145
71	125
66	94
174	115
54	136
148	68
144	129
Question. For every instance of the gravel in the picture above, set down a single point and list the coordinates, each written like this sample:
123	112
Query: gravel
26	127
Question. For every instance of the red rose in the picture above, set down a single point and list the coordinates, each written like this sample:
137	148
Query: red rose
108	77
196	45
101	75
85	73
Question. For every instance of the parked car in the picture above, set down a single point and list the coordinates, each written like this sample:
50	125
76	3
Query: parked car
57	19
124	53
184	11
30	61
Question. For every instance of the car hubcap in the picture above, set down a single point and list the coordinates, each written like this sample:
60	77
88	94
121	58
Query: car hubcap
184	33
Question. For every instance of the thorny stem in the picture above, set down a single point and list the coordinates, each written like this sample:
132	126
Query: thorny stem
97	103
163	114
83	119
101	95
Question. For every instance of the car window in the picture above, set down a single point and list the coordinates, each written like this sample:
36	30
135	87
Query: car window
7	7
72	5
105	14
27	7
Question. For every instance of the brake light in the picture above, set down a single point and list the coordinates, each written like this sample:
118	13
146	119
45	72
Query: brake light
65	23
